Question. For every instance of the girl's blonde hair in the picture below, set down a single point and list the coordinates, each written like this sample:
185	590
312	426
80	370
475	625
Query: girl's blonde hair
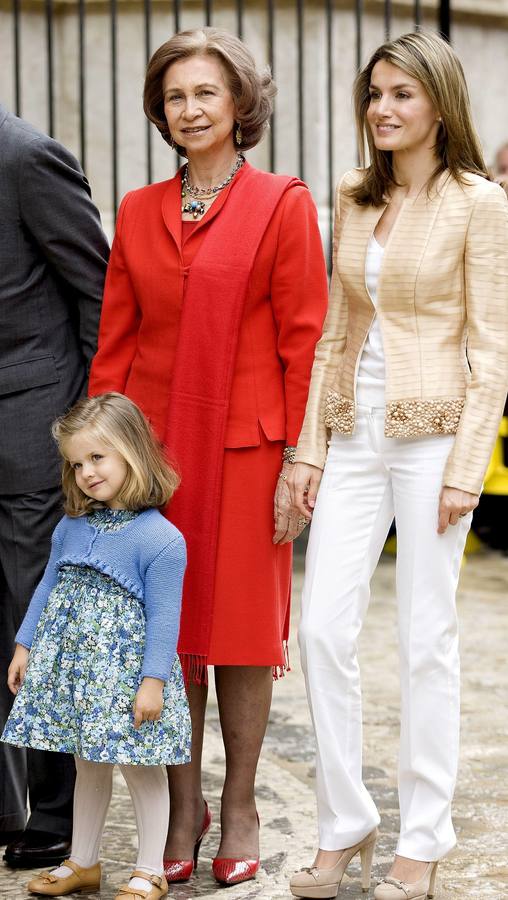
430	59
118	422
252	90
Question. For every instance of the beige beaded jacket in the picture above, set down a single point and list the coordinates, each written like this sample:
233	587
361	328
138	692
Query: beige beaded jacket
443	313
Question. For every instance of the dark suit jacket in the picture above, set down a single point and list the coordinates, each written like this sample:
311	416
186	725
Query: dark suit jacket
53	258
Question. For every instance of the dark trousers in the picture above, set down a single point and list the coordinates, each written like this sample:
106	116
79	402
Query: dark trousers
27	522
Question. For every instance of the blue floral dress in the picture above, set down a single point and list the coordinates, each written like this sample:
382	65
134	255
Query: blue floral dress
84	670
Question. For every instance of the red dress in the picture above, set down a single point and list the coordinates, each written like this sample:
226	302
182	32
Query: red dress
282	320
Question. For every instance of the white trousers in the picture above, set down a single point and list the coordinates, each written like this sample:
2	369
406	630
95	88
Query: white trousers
369	479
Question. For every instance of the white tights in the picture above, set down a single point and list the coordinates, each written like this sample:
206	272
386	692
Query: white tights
148	788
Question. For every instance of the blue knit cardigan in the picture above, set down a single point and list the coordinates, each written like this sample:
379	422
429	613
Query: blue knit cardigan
147	557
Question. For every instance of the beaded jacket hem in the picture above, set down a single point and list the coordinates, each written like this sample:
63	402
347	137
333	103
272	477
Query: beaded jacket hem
403	419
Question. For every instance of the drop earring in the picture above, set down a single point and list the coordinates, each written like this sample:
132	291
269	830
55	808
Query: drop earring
238	135
171	141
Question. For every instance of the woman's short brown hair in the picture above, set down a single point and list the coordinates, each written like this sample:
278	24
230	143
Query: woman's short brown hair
252	91
431	61
118	422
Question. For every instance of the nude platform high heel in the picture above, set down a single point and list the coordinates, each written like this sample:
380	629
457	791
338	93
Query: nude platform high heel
393	889
325	883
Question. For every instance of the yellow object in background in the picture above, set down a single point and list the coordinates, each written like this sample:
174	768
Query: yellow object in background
496	478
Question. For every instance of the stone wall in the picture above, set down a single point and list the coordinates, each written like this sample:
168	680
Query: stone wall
480	31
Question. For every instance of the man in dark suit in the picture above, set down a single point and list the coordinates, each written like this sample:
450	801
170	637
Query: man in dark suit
53	257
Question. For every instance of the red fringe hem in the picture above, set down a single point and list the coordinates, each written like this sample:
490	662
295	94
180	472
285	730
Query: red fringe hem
280	671
194	668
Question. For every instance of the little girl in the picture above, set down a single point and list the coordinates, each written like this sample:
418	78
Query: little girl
95	669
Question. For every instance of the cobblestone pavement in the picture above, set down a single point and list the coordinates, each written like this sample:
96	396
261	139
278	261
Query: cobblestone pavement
476	869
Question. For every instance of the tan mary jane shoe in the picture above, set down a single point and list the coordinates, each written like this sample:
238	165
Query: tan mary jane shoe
159	888
81	879
392	889
325	883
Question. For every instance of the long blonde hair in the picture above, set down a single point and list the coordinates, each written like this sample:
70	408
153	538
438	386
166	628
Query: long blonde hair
430	59
119	423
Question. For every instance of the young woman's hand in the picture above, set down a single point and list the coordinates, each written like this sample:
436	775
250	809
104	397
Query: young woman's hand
303	483
17	668
454	503
149	701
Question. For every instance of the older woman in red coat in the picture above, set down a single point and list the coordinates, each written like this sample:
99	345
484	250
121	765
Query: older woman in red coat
215	297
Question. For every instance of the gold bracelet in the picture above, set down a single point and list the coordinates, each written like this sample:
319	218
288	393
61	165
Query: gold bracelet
289	454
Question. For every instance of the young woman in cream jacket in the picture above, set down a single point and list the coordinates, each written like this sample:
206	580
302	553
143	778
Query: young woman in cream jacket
407	390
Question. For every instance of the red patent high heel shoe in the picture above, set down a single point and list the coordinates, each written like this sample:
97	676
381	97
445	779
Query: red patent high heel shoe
182	869
233	871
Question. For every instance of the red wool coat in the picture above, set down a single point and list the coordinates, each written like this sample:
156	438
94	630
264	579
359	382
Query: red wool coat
283	317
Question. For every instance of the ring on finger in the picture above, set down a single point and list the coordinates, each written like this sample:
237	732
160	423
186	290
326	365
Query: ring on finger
302	522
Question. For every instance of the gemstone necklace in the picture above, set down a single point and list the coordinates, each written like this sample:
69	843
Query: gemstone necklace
196	206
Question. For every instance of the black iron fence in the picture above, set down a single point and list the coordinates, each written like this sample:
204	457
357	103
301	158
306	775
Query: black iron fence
175	12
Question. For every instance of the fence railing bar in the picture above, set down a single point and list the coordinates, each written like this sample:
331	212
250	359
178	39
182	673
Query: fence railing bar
208	12
114	103
177	18
418	14
444	18
359	47
239	18
148	53
329	75
50	67
177	14
271	63
358	33
301	109
388	19
82	83
17	67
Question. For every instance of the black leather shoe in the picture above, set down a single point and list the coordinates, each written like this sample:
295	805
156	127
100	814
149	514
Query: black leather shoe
35	849
6	837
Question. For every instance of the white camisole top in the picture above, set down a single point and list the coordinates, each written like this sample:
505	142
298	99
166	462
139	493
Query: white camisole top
370	383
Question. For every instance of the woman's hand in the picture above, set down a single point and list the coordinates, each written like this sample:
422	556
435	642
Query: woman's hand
304	481
454	503
149	701
288	521
17	668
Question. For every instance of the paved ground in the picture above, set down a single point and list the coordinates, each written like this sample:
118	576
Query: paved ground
477	869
